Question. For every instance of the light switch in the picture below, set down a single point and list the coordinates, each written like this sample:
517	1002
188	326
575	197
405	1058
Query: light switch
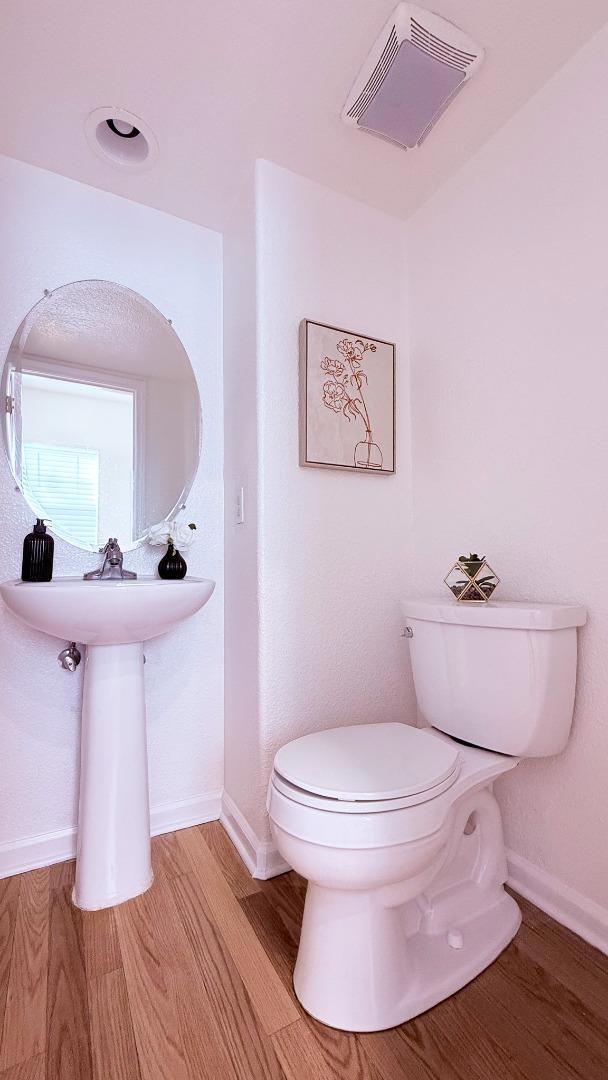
240	506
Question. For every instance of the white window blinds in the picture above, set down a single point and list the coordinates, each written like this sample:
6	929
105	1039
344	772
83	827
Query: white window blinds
65	481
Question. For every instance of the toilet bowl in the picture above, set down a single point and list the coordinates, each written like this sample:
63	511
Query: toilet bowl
396	828
391	871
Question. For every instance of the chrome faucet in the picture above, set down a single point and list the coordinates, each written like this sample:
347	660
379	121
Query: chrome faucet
111	566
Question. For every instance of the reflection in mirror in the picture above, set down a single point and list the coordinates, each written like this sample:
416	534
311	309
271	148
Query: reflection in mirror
102	416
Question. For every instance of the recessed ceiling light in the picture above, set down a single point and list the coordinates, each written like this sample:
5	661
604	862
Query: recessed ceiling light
125	131
121	138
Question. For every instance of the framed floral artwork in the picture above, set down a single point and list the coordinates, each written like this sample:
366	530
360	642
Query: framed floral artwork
347	400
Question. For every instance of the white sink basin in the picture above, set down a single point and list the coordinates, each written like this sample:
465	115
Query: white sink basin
112	618
105	612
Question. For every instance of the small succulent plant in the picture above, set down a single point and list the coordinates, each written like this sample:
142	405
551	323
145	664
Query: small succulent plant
471	561
472	564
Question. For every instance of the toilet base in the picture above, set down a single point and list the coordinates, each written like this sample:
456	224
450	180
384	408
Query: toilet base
425	969
369	959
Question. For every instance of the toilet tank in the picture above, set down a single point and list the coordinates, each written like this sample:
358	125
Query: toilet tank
500	675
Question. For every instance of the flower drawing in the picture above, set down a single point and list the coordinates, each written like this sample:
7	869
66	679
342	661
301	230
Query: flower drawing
331	366
334	396
344	393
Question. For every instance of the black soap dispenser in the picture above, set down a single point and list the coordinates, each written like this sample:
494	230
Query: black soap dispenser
38	549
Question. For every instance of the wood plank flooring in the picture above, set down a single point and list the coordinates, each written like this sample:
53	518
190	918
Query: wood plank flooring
192	981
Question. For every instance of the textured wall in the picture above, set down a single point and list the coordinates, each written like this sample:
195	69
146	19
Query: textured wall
334	548
510	417
54	230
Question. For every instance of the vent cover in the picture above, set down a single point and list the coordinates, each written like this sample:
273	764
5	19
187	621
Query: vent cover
416	67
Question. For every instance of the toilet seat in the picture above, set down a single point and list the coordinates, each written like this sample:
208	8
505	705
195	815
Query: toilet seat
368	768
369	806
341	825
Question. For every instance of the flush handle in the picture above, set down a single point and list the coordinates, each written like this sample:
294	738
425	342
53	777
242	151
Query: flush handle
407	632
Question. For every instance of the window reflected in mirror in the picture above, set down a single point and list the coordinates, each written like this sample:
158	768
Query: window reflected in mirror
79	440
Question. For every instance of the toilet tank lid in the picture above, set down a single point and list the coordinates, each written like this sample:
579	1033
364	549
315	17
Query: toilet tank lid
506	614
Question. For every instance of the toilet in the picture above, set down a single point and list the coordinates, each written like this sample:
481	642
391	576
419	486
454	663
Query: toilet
396	828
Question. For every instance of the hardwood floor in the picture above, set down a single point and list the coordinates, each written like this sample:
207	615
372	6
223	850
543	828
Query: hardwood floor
192	981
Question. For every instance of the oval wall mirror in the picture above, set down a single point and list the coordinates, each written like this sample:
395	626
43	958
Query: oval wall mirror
102	414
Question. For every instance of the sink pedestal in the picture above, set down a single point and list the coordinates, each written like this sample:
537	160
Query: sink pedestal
113	856
112	618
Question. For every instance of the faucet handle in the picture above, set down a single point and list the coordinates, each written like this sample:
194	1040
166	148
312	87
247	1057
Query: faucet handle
111	545
112	563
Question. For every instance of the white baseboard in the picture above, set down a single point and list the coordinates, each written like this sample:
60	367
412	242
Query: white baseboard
261	858
563	903
185	812
31	852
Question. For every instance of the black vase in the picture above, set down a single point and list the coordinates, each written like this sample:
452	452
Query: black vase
172	565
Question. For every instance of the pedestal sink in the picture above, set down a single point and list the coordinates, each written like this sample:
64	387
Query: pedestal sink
113	619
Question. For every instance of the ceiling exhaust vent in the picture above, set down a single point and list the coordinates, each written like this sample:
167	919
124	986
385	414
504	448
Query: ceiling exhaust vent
415	69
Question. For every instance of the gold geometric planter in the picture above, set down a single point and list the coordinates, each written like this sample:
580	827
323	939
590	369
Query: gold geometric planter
471	581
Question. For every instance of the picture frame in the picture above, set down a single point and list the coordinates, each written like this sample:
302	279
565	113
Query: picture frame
347	400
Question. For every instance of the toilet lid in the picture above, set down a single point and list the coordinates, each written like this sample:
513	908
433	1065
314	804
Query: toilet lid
369	762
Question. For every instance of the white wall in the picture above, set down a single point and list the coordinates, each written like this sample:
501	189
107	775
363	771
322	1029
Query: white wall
510	417
334	548
170	446
52	231
241	711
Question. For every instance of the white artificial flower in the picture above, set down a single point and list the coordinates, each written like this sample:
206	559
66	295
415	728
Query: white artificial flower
158	535
182	535
167	532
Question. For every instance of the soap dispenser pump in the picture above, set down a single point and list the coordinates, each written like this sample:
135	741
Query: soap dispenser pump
38	549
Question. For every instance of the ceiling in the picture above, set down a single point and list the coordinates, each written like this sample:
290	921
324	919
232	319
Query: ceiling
222	82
